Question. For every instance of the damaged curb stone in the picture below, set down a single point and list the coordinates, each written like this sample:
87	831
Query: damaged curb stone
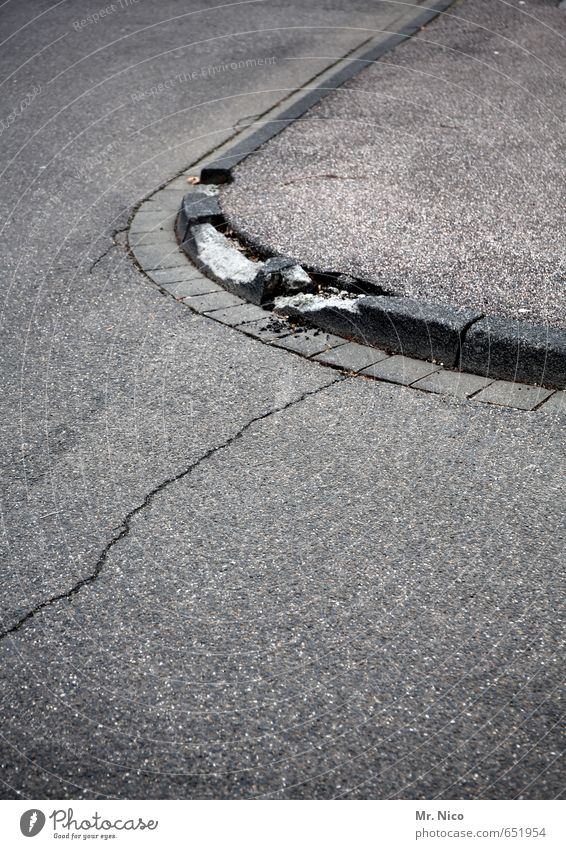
510	350
215	255
199	207
280	274
414	328
458	338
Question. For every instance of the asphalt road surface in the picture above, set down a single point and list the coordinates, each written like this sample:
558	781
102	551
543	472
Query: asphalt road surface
329	588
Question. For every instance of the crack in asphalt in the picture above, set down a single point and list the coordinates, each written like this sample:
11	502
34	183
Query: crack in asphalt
114	244
101	257
125	526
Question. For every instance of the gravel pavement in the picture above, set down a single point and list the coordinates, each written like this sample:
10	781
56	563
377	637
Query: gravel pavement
438	171
295	585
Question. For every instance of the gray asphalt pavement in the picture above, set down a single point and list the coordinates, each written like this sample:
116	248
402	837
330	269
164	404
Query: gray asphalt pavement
437	172
329	587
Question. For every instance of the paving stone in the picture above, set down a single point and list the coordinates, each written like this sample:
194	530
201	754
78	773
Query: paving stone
179	184
163	236
351	356
146	222
457	383
556	403
238	315
164	202
192	288
309	342
187	271
214	301
153	206
267	329
151	257
400	369
521	396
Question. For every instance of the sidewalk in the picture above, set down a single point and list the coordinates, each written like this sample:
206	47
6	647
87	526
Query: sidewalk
437	172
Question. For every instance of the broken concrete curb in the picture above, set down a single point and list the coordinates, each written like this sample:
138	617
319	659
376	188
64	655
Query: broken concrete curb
415	328
460	339
215	255
153	239
455	337
200	206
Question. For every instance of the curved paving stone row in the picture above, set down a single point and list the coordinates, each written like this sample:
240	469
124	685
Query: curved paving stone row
154	245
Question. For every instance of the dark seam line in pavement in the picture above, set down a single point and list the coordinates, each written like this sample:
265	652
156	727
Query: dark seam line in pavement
126	524
462	339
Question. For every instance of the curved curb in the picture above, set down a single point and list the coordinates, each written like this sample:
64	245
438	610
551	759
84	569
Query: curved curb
493	347
467	339
463	339
153	238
